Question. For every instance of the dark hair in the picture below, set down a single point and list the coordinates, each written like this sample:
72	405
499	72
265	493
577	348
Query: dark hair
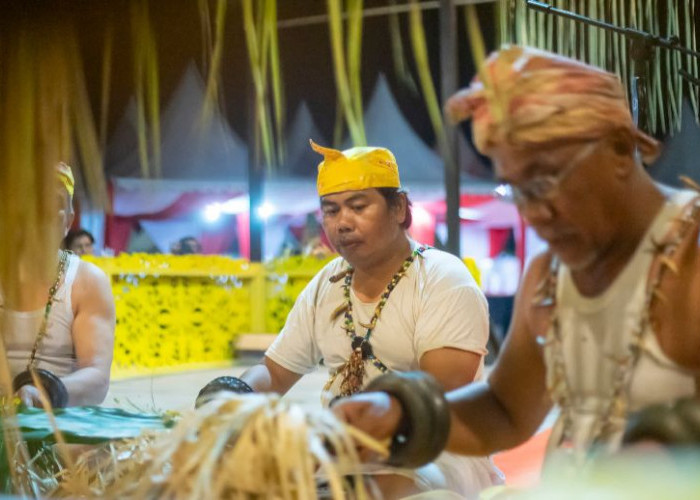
183	247
393	199
74	234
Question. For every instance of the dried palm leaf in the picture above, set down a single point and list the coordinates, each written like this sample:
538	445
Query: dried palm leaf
420	54
146	89
475	36
276	78
400	67
255	58
107	52
212	94
83	129
610	51
346	95
205	22
253	446
261	41
354	53
45	113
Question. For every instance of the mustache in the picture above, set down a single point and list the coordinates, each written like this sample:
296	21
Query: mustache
554	234
348	240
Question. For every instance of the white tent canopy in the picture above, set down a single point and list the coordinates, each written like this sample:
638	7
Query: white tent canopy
189	148
386	126
421	168
301	159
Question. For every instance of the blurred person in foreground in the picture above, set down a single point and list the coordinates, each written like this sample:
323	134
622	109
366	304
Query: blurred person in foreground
388	303
65	334
606	320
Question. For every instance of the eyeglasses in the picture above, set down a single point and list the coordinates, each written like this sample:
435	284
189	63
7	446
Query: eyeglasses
542	187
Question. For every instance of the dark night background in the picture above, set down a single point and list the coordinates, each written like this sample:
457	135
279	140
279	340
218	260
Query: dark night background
305	53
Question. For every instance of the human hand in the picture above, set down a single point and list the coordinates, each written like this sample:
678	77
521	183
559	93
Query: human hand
378	414
29	396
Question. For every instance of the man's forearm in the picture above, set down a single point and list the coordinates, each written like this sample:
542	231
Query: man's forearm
269	376
480	423
258	378
86	386
264	377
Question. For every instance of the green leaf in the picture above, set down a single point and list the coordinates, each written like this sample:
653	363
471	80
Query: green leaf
87	424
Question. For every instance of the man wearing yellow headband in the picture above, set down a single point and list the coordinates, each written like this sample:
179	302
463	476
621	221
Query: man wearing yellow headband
65	335
387	304
606	320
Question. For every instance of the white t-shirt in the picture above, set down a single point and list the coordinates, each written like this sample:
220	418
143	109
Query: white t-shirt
436	304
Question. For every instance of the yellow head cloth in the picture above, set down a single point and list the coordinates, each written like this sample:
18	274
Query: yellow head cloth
525	96
65	176
355	169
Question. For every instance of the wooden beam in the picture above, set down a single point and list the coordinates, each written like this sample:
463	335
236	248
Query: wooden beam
372	12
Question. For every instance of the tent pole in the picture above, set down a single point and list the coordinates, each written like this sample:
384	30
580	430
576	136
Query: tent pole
255	177
448	86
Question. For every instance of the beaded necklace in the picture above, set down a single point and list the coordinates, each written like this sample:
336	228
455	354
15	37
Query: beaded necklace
62	266
611	420
353	371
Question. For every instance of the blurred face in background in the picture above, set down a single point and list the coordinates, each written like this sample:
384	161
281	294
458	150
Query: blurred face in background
82	245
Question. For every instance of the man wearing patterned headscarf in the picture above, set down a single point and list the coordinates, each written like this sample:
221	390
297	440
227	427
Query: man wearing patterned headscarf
605	321
66	334
387	303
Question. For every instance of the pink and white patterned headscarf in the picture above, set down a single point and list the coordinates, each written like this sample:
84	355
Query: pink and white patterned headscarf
525	96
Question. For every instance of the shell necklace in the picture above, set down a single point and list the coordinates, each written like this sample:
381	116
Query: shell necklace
353	371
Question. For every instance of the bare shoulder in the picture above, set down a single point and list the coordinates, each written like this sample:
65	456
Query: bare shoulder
91	283
677	314
90	273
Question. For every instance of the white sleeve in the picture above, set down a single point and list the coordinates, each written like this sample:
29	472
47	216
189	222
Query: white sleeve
295	348
456	317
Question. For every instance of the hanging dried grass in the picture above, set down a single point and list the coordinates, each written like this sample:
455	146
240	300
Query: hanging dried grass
215	50
85	135
206	28
276	78
147	89
348	81
521	25
400	66
263	55
242	447
420	54
474	35
107	53
45	113
354	53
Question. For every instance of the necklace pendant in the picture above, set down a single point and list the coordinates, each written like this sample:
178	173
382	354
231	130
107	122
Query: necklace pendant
364	347
357	343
